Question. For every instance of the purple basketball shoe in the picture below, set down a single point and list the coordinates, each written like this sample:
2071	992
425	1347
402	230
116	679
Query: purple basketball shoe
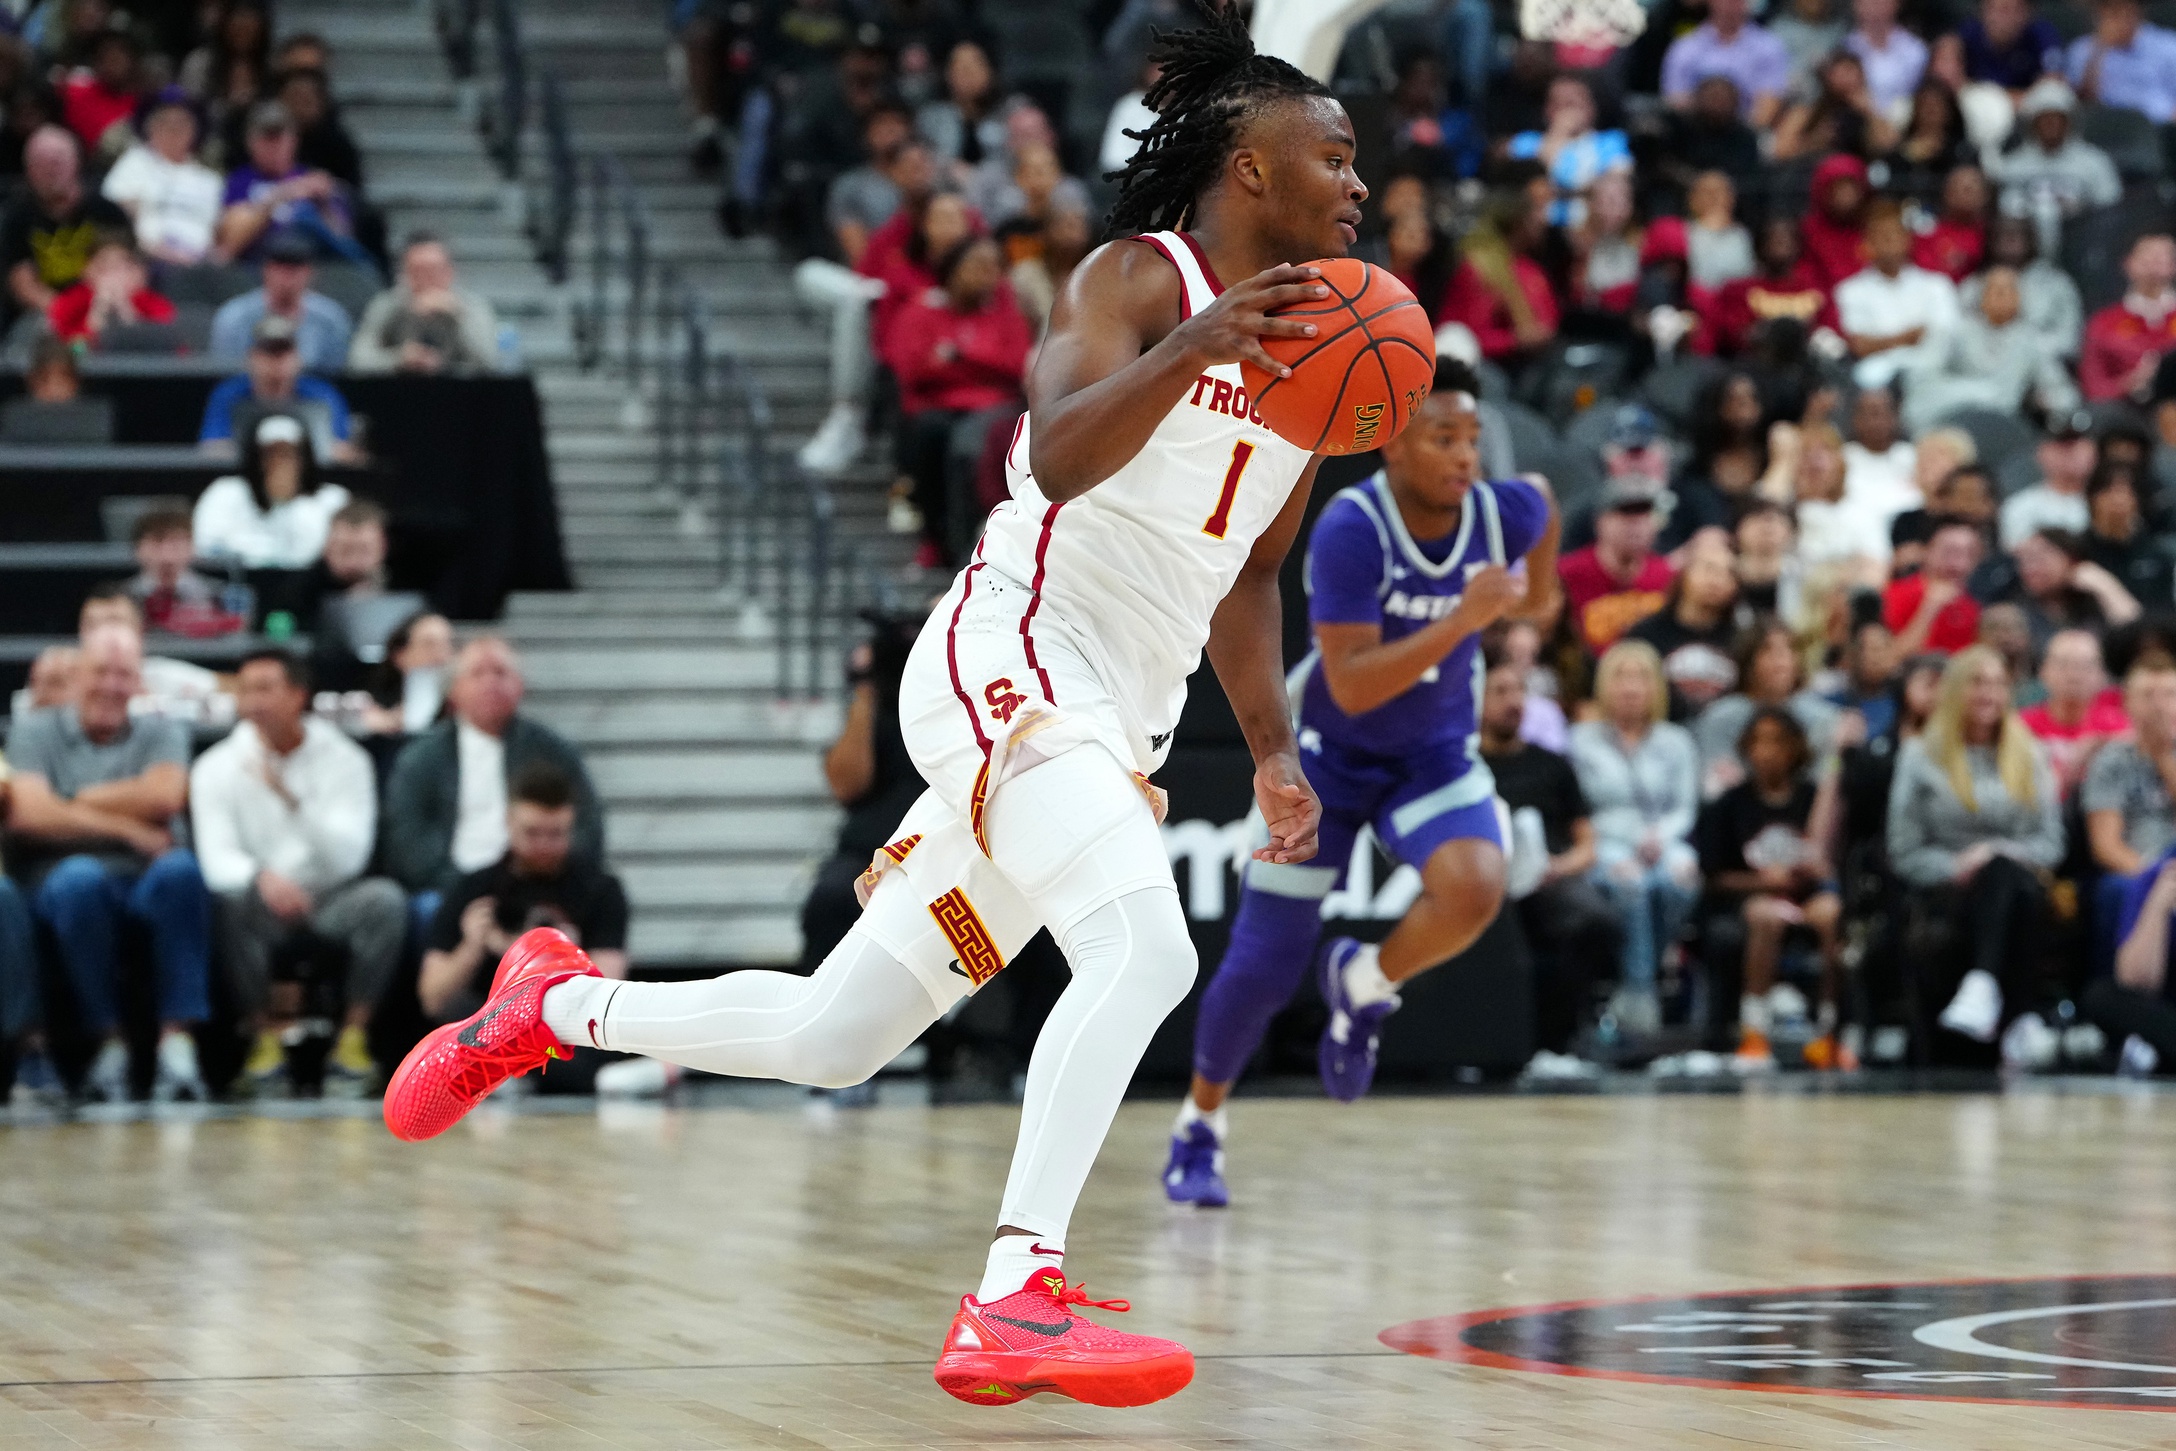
1346	1054
1195	1174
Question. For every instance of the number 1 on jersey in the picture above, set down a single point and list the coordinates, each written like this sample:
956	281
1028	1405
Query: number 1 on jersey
1221	520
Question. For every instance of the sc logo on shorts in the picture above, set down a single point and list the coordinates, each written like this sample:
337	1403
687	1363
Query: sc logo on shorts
1003	699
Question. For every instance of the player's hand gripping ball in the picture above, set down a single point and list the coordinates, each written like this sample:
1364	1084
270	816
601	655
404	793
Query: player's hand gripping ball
1360	379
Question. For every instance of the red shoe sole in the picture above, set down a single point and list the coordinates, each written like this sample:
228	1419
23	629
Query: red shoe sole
1001	1380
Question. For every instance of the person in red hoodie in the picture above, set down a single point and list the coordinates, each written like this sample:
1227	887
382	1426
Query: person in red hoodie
114	290
96	97
960	353
902	254
1930	610
2125	340
1957	242
1836	219
1783	287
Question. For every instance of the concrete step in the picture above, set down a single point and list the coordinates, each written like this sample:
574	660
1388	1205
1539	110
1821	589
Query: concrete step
779	884
687	719
662	937
785	775
643	832
720	666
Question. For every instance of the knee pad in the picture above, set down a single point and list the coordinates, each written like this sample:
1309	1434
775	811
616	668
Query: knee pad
1075	833
1141	934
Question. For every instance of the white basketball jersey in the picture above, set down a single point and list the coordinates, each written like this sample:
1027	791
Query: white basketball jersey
1137	565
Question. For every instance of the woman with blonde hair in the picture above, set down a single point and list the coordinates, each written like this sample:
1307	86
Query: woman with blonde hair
1641	778
1974	827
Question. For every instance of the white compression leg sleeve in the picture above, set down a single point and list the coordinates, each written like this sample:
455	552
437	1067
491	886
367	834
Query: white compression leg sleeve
1131	956
833	1029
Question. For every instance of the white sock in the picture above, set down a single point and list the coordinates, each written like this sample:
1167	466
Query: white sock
1190	1113
571	1008
1013	1257
1753	1012
1364	980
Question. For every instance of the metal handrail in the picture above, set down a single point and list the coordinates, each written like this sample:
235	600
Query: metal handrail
553	224
508	115
456	22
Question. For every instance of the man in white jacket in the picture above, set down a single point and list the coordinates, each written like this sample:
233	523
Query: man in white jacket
286	810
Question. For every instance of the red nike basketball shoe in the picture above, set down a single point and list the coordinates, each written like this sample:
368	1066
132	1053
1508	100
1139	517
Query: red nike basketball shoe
450	1071
1032	1341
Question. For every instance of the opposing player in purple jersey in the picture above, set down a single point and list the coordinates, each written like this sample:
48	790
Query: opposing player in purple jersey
1404	571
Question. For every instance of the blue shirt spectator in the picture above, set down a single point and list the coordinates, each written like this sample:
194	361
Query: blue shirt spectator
275	377
323	328
1572	150
1732	46
2126	62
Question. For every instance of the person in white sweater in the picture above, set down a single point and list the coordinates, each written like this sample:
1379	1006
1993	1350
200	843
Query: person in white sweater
1641	777
274	513
285	812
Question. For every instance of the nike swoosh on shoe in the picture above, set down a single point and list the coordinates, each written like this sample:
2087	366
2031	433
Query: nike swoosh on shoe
1035	1325
472	1035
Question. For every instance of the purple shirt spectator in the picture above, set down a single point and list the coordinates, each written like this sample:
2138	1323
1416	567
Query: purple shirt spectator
2139	76
247	184
1893	67
1731	46
2030	54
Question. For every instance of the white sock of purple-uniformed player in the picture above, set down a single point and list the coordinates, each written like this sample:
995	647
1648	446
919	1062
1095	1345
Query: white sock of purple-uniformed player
1364	980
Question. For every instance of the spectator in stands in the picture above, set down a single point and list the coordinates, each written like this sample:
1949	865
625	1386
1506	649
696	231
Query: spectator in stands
172	197
322	142
103	95
1730	458
2059	588
274	512
903	257
52	376
1810	30
541	878
874	251
48	232
322	326
229	71
1894	58
2126	794
1840	117
1500	291
2006	45
426	323
1771	675
960	356
1696	630
93	804
2136	1005
1896	316
1768	877
2005	630
22	1011
1069	236
1719	250
1930	610
178	689
275	379
1573	928
1641	778
1784	287
1956	243
408	687
1618	580
967	124
2126	61
2065	456
171	595
1933	146
1731	45
1947	474
1833	233
1573	152
1020	186
2118	540
1881	465
353	564
272	190
285	812
1842	541
2125	340
114	291
2054	175
1771	577
1869	678
1993	359
445	812
1973	819
54	676
1709	135
2079	713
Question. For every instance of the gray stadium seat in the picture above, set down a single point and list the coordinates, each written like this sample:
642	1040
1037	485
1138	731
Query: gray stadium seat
1673	390
86	420
349	285
2005	445
2094	244
209	285
2131	141
1535	447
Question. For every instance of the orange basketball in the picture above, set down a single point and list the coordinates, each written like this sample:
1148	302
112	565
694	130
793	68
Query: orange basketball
1359	380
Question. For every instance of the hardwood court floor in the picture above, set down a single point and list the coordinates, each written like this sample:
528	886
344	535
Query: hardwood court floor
779	1276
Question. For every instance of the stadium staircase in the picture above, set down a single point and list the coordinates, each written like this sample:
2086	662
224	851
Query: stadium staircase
713	785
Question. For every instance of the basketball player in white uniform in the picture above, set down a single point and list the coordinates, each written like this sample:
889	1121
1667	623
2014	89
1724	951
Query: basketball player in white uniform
1150	511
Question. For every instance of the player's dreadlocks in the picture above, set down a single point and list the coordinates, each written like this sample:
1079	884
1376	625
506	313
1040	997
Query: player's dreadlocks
1212	77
